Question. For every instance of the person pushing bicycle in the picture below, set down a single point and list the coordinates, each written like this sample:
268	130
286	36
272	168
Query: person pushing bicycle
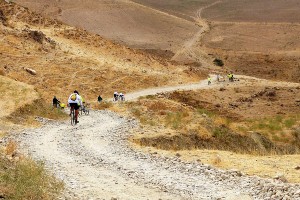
75	101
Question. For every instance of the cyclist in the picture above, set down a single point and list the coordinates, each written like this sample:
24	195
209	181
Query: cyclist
116	96
209	80
75	101
230	77
122	96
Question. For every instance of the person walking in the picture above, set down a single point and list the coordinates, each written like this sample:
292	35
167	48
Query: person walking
99	99
55	102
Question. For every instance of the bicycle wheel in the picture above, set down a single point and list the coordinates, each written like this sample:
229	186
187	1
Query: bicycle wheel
73	120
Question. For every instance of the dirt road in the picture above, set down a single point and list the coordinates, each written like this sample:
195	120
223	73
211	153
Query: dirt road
96	161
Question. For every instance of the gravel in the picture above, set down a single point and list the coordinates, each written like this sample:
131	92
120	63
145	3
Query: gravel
96	161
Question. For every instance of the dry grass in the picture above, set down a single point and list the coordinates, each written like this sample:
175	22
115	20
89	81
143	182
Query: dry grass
22	178
278	128
198	128
14	95
103	105
263	166
26	114
26	179
11	148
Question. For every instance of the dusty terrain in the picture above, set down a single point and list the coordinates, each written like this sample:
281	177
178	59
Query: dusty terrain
122	21
43	57
250	40
60	54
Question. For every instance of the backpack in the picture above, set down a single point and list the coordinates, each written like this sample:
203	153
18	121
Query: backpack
73	97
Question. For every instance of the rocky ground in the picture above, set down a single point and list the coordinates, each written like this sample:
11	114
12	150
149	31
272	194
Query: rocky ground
96	161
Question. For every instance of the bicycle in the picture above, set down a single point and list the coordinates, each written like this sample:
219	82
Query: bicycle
122	98
116	98
85	109
73	119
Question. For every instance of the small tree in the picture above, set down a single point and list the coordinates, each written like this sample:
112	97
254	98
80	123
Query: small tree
218	62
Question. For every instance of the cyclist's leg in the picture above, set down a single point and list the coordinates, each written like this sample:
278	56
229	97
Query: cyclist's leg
76	112
76	115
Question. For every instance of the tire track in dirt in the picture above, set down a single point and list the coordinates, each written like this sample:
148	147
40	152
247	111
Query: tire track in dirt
187	48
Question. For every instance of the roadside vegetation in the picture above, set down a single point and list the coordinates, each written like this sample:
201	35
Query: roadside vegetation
26	115
22	178
188	127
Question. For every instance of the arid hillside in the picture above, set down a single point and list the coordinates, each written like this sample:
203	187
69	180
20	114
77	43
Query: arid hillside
66	58
257	38
126	22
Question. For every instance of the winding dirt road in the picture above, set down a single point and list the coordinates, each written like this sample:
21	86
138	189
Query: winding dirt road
96	161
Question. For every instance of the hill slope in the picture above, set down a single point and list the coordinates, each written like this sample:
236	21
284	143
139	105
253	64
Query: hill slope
67	58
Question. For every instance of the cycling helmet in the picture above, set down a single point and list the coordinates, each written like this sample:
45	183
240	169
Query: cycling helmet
75	91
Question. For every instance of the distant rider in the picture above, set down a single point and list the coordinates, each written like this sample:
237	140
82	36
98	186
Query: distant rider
75	101
209	80
116	96
122	96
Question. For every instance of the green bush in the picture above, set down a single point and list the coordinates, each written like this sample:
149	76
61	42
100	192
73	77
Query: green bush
218	62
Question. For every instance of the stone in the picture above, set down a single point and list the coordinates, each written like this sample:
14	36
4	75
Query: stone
30	71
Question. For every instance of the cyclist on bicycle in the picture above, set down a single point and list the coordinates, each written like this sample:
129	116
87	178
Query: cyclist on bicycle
116	96
122	97
75	101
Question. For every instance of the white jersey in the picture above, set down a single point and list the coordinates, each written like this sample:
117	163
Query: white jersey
78	99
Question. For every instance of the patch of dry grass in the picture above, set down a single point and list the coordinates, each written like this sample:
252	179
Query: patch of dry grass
11	148
198	128
264	166
103	105
22	178
26	114
14	95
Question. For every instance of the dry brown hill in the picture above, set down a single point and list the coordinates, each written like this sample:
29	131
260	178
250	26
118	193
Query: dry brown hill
123	21
67	58
257	38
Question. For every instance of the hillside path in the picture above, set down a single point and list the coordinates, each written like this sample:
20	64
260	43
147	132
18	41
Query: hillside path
203	84
96	161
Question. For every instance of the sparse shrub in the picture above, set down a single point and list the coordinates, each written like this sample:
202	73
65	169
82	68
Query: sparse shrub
271	93
218	62
136	112
218	132
150	97
37	36
289	123
174	119
206	112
